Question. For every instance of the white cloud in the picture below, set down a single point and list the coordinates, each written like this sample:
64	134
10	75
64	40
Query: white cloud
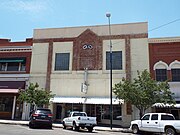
33	8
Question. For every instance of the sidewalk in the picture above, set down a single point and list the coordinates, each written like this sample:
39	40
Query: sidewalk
55	125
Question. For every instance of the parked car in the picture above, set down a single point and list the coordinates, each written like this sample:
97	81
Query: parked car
156	123
41	117
79	119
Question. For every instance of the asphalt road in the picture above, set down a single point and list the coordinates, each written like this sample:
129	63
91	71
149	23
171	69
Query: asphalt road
6	129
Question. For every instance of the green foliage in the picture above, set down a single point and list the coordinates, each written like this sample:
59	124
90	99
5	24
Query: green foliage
35	96
143	92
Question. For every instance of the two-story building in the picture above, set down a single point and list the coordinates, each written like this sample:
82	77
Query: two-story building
15	59
74	63
165	65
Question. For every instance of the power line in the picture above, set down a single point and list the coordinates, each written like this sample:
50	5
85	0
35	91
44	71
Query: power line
164	25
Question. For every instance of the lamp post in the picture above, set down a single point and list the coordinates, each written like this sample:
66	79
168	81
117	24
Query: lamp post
108	15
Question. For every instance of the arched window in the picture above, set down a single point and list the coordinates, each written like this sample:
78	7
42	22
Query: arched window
161	71
175	71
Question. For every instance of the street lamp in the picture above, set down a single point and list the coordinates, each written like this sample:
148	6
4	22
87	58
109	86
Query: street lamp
108	15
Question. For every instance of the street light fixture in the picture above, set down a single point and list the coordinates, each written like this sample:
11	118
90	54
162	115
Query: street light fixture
108	15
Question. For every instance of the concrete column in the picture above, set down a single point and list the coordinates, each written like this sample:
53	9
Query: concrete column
84	107
63	111
14	107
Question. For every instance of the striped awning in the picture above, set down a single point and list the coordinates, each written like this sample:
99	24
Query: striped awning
162	105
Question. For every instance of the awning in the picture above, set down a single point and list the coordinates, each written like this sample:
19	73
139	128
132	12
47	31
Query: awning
9	90
66	100
11	60
162	105
86	100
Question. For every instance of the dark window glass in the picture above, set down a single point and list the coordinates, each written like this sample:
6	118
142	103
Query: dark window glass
146	117
116	60
167	117
13	66
161	75
6	104
62	61
175	75
117	115
154	117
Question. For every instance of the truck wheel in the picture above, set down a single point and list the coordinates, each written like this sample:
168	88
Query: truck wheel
90	129
64	126
135	129
170	131
75	128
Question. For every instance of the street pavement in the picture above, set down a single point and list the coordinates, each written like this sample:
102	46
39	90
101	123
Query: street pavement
57	125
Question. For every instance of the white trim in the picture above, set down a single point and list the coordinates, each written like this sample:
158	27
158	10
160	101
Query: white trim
174	64
160	65
162	105
164	40
86	100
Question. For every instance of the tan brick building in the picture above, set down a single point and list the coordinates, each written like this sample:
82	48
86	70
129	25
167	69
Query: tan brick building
73	63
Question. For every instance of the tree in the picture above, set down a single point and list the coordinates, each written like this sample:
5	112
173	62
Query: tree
143	92
35	96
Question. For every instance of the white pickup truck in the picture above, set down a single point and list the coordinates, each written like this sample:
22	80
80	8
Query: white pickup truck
157	123
79	119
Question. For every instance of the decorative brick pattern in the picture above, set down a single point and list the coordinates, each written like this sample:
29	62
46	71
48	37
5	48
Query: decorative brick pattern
85	56
166	52
21	52
128	58
49	65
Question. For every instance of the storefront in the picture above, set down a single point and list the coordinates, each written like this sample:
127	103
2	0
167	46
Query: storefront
95	107
10	107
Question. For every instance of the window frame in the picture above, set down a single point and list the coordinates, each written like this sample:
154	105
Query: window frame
176	76
161	77
115	65
57	66
5	66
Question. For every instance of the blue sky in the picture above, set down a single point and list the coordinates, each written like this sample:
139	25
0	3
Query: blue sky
20	17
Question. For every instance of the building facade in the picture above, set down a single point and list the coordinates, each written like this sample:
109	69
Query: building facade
15	59
74	64
165	65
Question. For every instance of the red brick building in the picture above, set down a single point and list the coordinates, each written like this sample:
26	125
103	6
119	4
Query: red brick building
15	59
165	65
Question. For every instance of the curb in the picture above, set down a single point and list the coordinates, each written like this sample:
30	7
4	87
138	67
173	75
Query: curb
96	128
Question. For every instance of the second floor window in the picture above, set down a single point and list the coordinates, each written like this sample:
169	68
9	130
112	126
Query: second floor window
116	60
175	75
12	64
62	61
161	75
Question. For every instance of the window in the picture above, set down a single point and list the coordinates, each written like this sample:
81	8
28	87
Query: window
2	66
12	64
167	117
161	75
116	60
154	117
117	115
146	117
62	61
175	75
6	104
